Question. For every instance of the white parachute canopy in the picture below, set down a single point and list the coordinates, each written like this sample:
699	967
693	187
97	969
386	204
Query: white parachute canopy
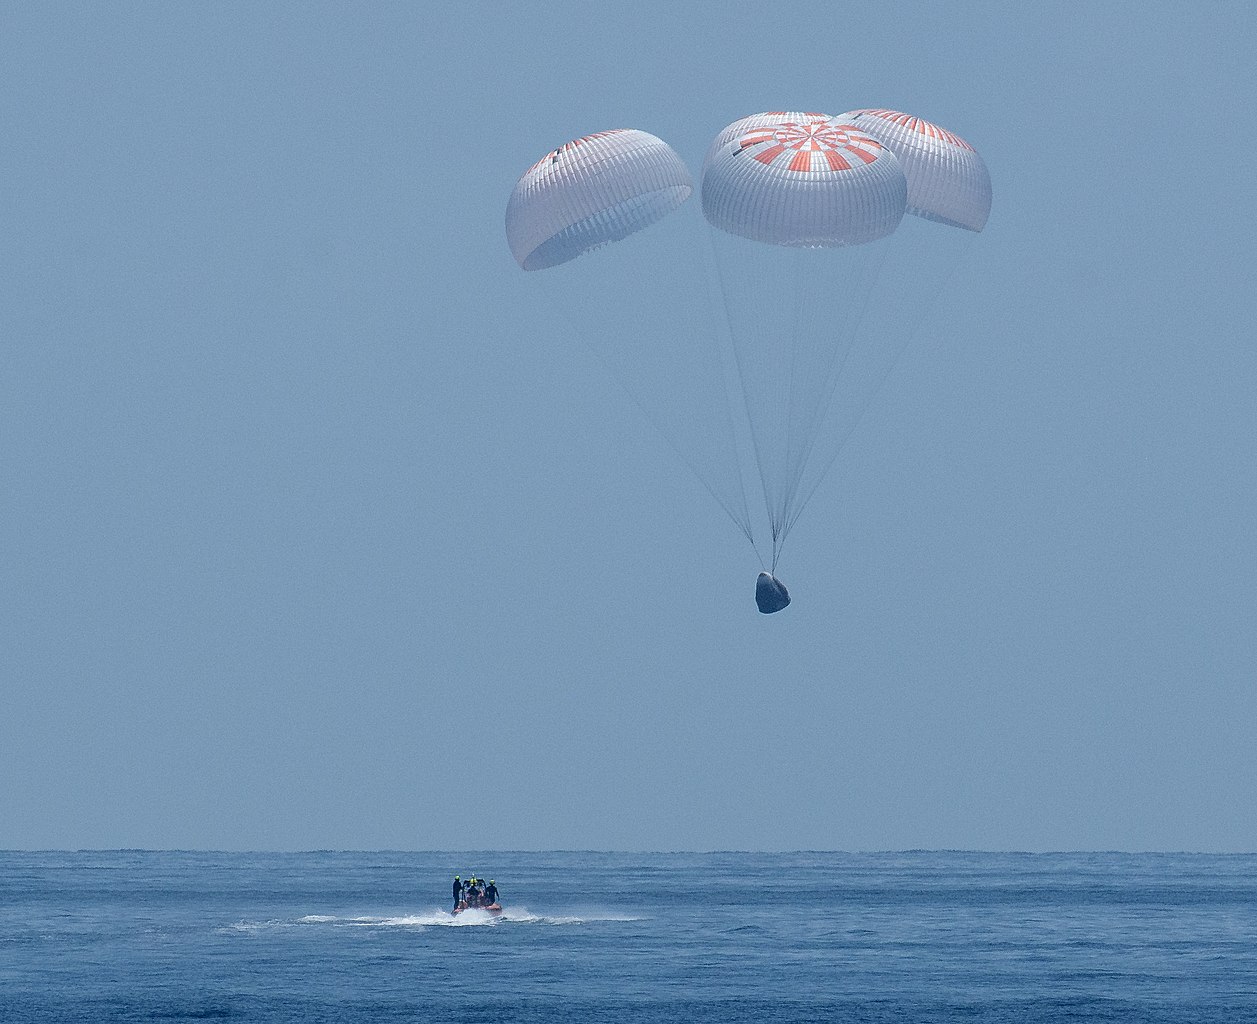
593	190
623	193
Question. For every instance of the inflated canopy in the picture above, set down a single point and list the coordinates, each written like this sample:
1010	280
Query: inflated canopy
770	117
799	179
947	179
591	191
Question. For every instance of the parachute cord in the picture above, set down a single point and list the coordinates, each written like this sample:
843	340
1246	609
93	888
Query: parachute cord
743	522
796	333
779	540
797	409
906	340
833	379
864	401
716	351
722	274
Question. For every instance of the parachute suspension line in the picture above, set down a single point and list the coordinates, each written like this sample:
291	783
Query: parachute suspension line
800	291
791	401
570	328
820	349
743	523
723	273
903	341
808	349
867	278
716	353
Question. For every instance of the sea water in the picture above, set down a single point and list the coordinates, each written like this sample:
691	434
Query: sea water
623	937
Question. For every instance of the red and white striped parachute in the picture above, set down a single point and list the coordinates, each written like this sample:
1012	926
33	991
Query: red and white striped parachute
947	179
800	180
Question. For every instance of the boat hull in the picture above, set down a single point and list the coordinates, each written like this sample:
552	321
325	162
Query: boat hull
493	908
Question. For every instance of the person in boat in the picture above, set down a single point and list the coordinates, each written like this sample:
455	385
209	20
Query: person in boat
458	891
490	893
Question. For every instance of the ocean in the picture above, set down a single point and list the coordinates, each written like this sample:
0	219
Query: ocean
103	936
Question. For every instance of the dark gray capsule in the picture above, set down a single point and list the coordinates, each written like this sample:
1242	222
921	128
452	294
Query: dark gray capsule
770	593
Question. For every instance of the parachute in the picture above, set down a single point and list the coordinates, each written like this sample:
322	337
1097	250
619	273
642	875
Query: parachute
626	301
821	281
590	192
947	180
795	203
799	180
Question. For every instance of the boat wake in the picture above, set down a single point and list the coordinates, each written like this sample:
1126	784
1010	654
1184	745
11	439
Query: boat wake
470	918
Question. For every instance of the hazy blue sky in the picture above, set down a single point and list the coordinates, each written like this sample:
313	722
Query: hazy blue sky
293	473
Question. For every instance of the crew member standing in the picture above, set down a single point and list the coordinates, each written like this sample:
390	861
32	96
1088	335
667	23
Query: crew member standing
458	891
